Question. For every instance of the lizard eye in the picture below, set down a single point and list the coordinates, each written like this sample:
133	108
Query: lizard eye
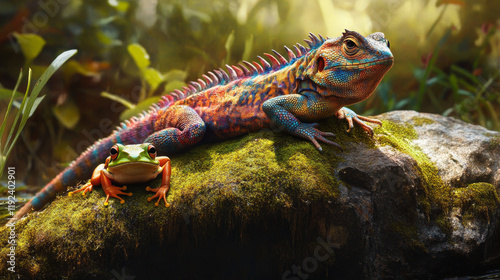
113	152
388	44
152	151
350	44
350	47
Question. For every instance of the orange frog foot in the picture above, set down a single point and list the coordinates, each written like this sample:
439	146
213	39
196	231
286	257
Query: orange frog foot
114	191
85	189
161	192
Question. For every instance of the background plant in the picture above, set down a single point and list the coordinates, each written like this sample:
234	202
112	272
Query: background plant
26	108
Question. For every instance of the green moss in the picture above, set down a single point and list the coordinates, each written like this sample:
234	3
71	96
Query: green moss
442	221
494	140
409	233
267	179
356	136
420	121
478	199
436	193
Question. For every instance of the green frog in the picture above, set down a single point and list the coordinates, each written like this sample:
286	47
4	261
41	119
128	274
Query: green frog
129	164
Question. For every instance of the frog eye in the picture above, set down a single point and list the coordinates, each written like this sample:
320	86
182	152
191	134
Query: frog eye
152	151
113	152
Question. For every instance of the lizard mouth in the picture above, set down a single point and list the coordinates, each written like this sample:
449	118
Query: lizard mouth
355	66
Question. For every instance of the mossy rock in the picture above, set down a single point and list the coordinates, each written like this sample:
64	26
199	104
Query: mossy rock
266	205
261	188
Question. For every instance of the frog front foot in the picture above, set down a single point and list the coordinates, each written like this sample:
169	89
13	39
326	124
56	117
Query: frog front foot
85	189
114	191
160	193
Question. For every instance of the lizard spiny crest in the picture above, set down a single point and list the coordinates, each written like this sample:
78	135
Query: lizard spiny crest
243	70
219	77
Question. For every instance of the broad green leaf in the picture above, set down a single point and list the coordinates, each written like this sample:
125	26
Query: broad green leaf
153	77
56	64
433	80
173	85
400	104
6	94
68	114
175	75
31	44
139	108
228	45
37	102
229	42
120	6
107	39
118	99
466	93
106	21
453	83
248	47
448	111
73	67
140	55
188	13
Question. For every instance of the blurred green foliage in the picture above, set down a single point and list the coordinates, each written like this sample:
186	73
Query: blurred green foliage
447	56
28	105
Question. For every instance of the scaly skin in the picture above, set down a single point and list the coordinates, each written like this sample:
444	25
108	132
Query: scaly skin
316	83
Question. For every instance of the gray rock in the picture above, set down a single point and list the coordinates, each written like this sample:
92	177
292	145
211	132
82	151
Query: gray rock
386	191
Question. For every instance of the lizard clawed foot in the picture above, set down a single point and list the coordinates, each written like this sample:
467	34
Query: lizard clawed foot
114	191
350	116
161	192
86	188
309	131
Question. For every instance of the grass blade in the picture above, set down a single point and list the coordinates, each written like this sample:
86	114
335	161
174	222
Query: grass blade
28	105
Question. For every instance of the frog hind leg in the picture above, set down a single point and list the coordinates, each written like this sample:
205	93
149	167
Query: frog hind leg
161	192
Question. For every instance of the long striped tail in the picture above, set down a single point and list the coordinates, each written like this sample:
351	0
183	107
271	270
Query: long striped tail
131	132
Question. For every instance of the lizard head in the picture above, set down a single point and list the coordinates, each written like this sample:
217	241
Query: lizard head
351	66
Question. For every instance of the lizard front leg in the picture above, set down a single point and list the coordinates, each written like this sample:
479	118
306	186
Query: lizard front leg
350	116
161	192
284	112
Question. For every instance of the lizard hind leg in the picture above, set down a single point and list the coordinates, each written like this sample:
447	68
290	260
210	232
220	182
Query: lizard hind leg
183	127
